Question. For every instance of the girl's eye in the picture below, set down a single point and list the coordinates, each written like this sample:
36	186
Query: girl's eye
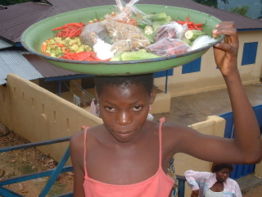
138	108
110	109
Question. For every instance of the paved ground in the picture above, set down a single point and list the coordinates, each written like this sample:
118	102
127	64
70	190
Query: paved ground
251	186
194	108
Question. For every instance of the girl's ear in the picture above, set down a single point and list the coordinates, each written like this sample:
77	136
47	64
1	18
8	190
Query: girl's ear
152	96
96	107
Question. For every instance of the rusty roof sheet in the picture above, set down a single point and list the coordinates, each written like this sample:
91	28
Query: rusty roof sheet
18	17
45	68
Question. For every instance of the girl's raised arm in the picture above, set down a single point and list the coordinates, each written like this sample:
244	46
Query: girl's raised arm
246	147
247	135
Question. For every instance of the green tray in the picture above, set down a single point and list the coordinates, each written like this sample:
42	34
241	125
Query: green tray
36	34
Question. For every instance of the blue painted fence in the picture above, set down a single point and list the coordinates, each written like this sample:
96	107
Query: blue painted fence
240	170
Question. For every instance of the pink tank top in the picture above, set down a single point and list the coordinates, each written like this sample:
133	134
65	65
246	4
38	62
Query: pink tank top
158	185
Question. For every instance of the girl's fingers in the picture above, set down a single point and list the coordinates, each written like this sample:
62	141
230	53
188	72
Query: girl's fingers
223	46
228	29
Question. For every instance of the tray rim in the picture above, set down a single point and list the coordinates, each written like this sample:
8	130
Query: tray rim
35	52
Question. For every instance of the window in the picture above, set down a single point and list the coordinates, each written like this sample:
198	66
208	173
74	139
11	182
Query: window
164	73
191	67
249	53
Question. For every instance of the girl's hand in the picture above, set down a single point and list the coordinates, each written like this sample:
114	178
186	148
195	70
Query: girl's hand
226	52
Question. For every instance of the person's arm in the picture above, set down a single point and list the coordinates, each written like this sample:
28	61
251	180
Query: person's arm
193	179
195	193
76	150
246	146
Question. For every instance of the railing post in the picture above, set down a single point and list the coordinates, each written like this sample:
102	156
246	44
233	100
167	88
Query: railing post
55	174
7	193
181	188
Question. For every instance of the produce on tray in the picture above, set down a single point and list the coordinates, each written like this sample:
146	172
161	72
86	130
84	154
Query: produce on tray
127	34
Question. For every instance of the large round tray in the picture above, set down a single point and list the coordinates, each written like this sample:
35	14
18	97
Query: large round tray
33	37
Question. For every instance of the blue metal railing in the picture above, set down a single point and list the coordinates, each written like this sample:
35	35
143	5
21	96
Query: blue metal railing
240	170
52	174
55	172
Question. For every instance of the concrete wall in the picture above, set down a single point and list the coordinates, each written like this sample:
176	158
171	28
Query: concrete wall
37	114
209	77
214	125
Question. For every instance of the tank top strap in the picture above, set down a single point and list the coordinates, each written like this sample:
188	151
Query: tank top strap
85	143
161	121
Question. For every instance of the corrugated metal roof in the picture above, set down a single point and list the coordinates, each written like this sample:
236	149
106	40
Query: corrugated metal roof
26	65
18	17
15	62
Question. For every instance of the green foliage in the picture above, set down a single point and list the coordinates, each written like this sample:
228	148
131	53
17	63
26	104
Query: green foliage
240	10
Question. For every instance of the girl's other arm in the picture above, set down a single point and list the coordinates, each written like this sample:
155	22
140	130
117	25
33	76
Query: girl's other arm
76	149
246	146
247	143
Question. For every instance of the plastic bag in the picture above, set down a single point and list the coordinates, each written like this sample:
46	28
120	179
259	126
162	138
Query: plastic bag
171	30
168	47
202	41
127	10
93	31
125	37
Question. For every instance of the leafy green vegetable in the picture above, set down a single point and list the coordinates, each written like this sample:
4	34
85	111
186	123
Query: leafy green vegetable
134	55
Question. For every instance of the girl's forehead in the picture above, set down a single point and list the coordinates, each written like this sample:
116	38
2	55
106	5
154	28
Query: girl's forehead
124	88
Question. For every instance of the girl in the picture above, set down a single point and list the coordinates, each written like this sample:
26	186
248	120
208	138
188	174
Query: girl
127	156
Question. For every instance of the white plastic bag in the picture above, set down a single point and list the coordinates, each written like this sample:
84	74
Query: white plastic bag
171	30
202	41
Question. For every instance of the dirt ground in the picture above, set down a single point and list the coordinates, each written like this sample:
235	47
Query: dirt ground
28	161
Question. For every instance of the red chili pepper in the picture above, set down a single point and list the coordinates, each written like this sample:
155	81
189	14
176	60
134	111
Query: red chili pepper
82	56
69	30
190	24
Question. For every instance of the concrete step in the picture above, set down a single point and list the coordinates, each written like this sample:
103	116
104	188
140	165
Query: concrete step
249	182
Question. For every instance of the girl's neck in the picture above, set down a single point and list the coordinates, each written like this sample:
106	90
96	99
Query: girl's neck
136	139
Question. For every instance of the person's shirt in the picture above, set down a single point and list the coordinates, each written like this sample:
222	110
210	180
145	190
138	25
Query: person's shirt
203	181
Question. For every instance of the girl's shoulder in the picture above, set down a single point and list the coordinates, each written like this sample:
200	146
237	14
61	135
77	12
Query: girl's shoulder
79	138
171	129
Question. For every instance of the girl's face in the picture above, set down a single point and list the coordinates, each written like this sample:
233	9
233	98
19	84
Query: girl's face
222	175
124	110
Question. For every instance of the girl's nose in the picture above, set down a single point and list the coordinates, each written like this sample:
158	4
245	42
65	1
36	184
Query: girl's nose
124	118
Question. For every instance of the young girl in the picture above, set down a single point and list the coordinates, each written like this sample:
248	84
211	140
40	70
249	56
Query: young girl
127	156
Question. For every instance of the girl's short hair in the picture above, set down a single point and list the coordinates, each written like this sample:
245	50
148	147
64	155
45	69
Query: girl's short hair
220	166
146	80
